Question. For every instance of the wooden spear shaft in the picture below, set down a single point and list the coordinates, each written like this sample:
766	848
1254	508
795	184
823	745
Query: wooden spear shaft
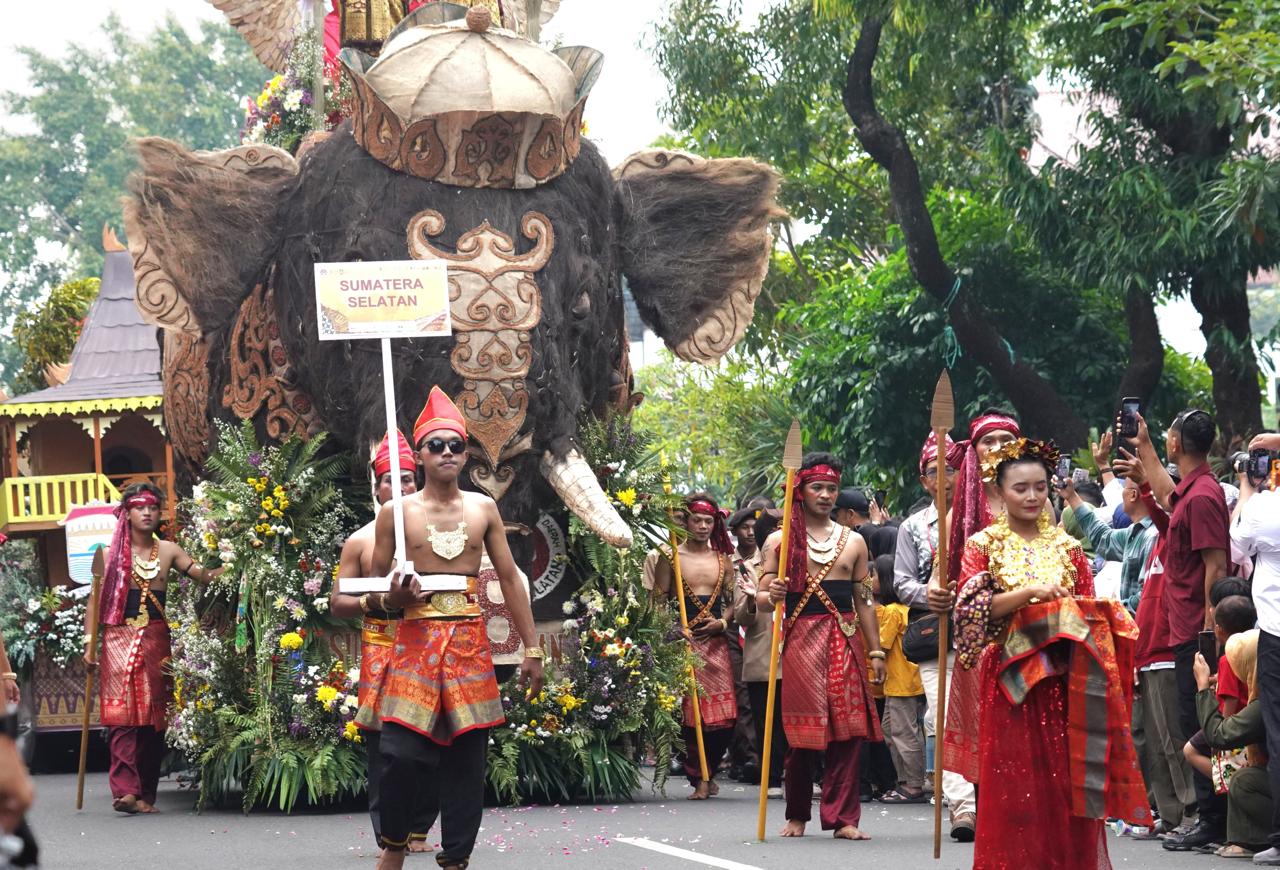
92	655
942	419
791	458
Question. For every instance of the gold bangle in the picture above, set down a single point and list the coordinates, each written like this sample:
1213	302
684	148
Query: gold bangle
534	652
9	675
364	603
876	654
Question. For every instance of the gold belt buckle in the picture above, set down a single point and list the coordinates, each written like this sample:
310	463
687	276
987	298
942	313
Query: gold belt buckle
141	620
449	603
849	629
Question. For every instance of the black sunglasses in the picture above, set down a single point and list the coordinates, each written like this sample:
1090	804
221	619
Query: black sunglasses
436	446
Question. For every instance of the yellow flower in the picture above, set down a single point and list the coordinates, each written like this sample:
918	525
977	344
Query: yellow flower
250	480
277	514
259	487
327	695
282	503
533	723
626	496
268	504
351	732
291	641
622	620
270	532
278	492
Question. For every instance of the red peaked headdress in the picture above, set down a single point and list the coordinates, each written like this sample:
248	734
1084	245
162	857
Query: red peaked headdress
381	462
438	413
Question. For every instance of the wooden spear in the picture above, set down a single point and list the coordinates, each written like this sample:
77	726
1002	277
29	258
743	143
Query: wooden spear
942	419
792	455
91	654
684	626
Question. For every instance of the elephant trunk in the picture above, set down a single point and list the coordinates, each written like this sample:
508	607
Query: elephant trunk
576	484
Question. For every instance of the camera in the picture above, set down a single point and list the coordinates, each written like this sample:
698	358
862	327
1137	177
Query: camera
1256	464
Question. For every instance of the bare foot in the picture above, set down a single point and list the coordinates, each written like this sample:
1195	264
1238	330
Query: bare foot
391	859
419	846
701	791
793	828
714	788
127	804
849	832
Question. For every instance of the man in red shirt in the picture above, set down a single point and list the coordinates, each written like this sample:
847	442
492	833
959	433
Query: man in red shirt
1195	558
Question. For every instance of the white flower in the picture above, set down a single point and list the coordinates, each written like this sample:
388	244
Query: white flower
351	701
293	100
570	625
568	608
322	604
300	698
235	509
197	491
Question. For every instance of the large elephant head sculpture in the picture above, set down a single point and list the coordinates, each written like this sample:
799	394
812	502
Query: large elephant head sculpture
465	145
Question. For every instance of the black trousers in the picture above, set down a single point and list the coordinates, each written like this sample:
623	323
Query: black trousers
373	761
1211	806
416	773
758	692
878	773
716	743
1269	695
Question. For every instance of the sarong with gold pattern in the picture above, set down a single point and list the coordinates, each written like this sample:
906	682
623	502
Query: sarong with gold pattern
376	638
825	693
133	689
718	700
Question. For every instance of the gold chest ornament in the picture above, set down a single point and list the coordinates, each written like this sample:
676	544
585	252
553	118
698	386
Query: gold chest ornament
448	545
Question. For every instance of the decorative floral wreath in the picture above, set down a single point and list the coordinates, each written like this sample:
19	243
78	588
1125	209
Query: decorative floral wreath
1046	451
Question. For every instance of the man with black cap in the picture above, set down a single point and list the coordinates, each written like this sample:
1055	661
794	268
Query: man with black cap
744	760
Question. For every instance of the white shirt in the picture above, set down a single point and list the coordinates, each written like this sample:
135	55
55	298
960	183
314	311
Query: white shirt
1256	532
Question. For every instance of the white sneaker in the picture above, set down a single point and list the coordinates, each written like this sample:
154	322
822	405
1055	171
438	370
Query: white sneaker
1268	857
775	793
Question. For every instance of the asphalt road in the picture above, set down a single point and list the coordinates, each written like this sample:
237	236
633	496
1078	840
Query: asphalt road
637	836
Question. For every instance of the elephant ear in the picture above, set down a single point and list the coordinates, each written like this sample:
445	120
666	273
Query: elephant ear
695	242
201	226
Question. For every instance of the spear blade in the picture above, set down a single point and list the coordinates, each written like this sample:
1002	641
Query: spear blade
943	415
793	452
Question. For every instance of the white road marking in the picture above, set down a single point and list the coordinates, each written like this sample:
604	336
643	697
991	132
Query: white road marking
698	857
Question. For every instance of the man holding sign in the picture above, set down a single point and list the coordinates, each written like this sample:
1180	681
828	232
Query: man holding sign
440	696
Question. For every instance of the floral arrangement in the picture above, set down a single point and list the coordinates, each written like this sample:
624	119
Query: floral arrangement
615	690
48	619
263	701
282	114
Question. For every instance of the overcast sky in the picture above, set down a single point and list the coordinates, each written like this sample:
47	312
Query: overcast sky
622	114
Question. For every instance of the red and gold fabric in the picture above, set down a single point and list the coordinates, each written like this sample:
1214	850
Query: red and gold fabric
717	697
133	689
376	639
826	696
439	681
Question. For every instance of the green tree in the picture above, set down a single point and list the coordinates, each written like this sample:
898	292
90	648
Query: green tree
47	335
65	173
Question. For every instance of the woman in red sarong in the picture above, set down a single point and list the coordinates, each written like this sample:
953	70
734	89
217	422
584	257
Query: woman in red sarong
1055	755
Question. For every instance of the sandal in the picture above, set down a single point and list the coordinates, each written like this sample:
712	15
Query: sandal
897	796
1234	851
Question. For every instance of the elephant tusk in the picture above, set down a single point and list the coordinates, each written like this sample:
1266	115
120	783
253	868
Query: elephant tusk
576	484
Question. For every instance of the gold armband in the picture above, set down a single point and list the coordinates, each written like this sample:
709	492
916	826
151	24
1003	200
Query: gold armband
876	654
534	652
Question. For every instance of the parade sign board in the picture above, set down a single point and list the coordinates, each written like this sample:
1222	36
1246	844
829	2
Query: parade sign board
389	299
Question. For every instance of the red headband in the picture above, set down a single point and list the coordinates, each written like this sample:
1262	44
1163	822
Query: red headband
992	423
701	506
818	472
719	533
141	499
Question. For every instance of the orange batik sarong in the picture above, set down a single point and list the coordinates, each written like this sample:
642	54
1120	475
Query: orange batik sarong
439	681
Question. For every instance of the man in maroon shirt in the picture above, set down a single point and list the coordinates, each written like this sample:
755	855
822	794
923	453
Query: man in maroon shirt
1195	558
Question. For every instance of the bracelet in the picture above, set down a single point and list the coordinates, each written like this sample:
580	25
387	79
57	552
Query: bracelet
535	652
876	654
9	675
364	603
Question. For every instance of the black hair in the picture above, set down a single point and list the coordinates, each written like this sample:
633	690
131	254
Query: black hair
1004	467
1235	614
1090	492
994	411
812	460
701	495
1227	587
134	488
1197	431
766	524
757	503
884	572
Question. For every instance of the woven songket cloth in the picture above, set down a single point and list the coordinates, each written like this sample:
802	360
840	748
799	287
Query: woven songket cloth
118	571
717	699
439	681
825	693
377	637
133	689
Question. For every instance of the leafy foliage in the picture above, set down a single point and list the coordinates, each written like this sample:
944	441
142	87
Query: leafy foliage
48	334
615	688
263	705
65	168
20	581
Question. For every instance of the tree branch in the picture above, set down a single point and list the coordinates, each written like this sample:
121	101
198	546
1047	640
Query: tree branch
1146	349
1035	398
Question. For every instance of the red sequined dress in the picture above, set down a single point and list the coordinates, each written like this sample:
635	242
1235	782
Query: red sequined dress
1055	756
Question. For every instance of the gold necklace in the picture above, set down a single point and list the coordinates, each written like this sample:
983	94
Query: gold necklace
824	552
144	571
448	545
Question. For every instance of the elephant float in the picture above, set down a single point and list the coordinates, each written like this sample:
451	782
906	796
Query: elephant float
465	144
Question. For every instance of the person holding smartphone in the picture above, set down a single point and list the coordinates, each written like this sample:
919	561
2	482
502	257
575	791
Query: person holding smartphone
1255	530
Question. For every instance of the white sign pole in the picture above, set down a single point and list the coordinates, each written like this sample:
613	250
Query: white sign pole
397	502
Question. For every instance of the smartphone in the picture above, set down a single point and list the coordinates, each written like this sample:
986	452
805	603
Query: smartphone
1130	407
881	496
1209	649
1064	469
1079	476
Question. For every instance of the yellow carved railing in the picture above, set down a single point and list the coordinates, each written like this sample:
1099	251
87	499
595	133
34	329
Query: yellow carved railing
48	498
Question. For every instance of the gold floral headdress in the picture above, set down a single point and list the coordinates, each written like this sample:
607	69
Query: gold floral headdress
1046	451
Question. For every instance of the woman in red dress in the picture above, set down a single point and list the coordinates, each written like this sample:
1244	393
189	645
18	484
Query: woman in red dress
1055	674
